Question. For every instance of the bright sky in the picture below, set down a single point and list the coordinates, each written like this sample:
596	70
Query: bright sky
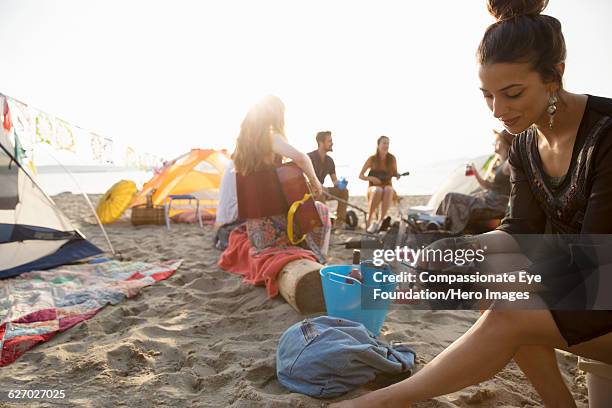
167	76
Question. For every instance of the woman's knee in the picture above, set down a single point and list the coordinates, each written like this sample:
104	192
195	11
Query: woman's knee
500	323
388	191
522	327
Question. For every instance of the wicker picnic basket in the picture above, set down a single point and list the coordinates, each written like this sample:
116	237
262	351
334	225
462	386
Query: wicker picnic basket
143	215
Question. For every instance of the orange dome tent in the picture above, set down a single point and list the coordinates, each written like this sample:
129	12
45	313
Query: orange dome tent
197	173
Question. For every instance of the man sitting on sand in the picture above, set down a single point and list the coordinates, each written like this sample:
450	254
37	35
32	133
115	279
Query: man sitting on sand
323	166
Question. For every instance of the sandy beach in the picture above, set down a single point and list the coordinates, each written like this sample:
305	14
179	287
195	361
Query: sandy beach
203	338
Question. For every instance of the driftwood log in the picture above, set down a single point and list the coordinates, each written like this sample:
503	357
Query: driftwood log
300	284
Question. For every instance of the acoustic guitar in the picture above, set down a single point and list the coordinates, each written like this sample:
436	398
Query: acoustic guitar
302	209
276	191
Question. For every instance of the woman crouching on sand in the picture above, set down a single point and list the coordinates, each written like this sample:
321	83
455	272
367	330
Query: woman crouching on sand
261	146
561	174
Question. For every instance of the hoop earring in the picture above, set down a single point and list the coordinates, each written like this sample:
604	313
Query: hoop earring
551	109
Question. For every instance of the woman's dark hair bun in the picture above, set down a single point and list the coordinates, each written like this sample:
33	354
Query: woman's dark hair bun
507	9
523	34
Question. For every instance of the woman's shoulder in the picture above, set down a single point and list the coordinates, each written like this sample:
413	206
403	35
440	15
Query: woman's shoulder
600	105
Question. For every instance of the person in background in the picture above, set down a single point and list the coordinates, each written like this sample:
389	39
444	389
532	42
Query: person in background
491	200
226	217
260	147
324	166
381	168
227	209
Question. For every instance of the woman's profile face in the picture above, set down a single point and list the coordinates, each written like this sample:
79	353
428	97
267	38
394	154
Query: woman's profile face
516	94
383	145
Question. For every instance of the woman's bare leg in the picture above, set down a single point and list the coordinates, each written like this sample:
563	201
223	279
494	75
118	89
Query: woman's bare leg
599	349
539	364
386	201
376	194
479	354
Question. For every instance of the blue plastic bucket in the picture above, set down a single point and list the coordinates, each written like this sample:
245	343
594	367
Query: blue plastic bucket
350	299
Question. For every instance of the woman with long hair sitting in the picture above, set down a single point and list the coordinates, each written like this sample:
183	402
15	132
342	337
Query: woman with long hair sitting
260	148
381	167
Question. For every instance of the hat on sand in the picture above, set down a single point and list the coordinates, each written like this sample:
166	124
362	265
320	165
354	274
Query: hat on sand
326	357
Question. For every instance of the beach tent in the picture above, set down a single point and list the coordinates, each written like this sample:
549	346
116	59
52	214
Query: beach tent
196	173
34	234
456	182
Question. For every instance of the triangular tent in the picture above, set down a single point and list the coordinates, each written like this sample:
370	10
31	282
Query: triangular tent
457	182
34	234
196	173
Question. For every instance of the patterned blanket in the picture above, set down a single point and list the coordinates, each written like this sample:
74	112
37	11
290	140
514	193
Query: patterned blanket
36	305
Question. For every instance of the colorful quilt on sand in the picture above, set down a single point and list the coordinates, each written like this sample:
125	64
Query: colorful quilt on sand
36	305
